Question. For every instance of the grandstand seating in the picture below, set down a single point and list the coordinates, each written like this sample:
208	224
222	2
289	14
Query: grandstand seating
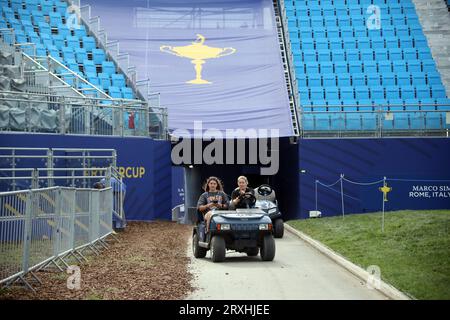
342	65
44	23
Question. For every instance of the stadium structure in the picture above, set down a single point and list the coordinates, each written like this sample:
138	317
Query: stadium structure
355	90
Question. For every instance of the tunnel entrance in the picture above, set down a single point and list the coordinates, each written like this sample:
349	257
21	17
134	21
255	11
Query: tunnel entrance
285	181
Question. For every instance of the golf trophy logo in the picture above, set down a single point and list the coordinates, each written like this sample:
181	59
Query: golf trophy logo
198	53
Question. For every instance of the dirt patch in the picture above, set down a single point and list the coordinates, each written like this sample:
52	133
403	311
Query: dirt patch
150	262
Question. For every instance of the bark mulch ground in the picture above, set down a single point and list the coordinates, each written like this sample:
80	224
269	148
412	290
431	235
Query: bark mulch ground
150	262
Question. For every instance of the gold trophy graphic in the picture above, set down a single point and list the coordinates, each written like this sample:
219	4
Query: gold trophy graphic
198	53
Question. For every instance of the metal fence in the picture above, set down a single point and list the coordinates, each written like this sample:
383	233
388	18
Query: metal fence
40	227
33	112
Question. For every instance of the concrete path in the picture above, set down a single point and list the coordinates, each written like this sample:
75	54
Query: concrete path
298	272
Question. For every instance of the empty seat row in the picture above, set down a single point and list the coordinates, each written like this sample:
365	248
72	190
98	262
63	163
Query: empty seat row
44	6
371	79
364	92
359	43
365	67
327	55
371	121
342	21
353	32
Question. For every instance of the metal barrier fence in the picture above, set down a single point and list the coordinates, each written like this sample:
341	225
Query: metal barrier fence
40	227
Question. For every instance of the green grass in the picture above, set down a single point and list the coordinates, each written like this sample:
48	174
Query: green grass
413	253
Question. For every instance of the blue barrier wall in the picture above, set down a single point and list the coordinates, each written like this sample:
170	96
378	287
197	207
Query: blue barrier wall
149	195
412	167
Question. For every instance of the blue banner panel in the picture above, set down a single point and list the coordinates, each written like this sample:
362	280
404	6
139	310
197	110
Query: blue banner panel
417	174
217	62
145	165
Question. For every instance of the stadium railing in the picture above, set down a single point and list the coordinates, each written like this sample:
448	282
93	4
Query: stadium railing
43	227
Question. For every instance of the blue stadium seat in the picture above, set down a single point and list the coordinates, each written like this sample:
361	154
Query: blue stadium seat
343	79
352	54
395	54
384	67
347	93
333	32
114	92
334	105
55	19
312	67
423	92
63	30
414	66
403	79
98	56
322	121
367	55
418	79
109	68
377	93
314	80
360	31
410	54
411	104
433	120
381	54
332	93
370	67
89	66
105	80
46	6
433	78
301	80
443	104
358	79
361	92
428	66
316	93
340	67
438	91
353	121
373	80
369	121
326	67
127	93
68	53
308	121
401	121
337	121
392	92
88	43
309	55
396	104
355	66
338	55
80	55
407	92
73	42
324	55
80	32
118	80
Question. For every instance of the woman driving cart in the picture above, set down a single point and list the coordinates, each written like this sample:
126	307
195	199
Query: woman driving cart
240	195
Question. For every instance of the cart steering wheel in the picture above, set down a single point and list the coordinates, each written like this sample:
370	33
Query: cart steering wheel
248	198
264	190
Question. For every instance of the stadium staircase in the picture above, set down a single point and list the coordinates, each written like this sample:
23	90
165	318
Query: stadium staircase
355	80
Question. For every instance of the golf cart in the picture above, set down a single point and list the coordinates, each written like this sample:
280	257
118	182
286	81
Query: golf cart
267	202
243	230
